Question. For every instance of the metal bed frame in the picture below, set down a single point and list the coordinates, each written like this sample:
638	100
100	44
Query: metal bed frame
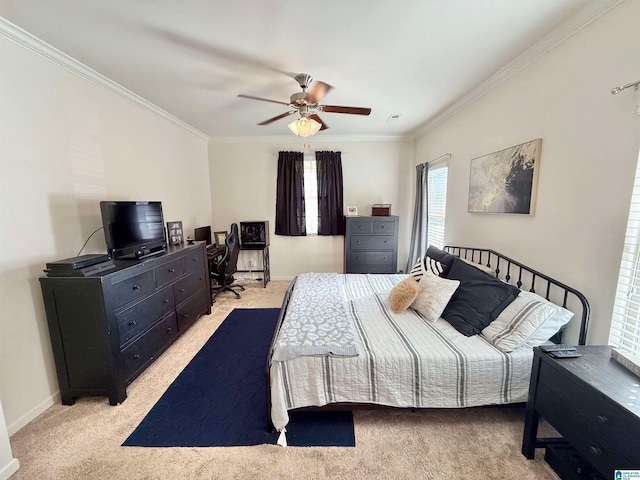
511	269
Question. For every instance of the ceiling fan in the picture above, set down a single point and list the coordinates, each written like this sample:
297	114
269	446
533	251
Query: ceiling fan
306	104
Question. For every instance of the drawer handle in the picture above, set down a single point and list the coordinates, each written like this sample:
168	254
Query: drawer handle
382	227
602	419
136	287
384	258
169	329
182	290
132	323
185	315
195	259
595	450
166	300
172	270
357	258
136	357
200	278
358	242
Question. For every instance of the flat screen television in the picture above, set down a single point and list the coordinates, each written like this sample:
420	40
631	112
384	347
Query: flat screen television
133	229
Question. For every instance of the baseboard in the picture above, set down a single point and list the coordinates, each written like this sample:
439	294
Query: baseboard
32	414
9	469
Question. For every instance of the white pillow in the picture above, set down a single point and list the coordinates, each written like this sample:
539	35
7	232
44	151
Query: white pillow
435	293
424	265
529	320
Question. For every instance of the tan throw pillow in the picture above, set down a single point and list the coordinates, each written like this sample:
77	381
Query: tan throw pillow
435	293
403	294
479	266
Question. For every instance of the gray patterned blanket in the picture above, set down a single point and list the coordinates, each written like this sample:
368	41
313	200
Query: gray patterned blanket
317	321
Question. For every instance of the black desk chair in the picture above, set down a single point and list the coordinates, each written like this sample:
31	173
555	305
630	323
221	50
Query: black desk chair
223	269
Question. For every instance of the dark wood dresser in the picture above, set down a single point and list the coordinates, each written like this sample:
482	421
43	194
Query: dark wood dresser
371	244
593	402
107	328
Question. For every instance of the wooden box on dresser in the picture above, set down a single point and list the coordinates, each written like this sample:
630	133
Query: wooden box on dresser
371	244
593	402
107	328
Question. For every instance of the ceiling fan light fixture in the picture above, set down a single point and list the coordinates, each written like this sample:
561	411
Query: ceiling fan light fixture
304	127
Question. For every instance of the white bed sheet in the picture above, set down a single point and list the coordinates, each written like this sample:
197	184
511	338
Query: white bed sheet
404	361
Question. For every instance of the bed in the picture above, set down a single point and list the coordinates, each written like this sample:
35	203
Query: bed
338	341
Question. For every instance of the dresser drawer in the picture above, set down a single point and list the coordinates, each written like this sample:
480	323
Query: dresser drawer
132	288
136	319
383	227
379	242
141	352
606	419
190	310
194	260
367	259
169	272
567	419
187	285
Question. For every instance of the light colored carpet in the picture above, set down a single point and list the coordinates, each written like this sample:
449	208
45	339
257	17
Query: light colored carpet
83	441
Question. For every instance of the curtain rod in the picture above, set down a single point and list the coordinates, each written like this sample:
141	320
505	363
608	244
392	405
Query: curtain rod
617	90
446	155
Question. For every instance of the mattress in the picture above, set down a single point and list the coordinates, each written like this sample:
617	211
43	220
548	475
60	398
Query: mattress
403	361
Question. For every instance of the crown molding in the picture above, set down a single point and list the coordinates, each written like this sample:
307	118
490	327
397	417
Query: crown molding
577	22
21	37
313	139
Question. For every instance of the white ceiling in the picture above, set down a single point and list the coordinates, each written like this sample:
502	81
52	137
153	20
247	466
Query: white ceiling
192	58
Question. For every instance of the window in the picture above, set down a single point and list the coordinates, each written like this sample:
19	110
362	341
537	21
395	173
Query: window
625	324
437	204
311	193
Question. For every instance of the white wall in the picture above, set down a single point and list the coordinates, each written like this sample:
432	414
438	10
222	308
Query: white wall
243	185
66	144
589	154
8	464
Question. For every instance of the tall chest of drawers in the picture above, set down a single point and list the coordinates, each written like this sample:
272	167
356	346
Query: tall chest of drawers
593	402
371	244
107	328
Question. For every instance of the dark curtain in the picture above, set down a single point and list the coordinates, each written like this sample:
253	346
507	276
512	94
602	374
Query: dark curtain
290	214
419	230
330	214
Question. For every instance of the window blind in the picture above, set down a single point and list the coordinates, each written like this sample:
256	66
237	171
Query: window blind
437	204
625	324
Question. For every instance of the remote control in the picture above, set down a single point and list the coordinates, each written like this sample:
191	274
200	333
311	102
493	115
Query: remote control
564	354
556	347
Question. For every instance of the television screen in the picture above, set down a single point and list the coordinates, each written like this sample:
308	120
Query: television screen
133	228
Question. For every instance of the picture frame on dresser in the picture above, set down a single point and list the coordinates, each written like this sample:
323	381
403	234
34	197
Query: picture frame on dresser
174	233
352	211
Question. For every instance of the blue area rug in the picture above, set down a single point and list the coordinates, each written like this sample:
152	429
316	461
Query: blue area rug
220	398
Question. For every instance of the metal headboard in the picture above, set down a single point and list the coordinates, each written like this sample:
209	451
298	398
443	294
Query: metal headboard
508	270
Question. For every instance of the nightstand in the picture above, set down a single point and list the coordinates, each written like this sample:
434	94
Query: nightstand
592	401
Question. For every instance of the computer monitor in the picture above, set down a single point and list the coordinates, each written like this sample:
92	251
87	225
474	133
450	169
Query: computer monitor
203	234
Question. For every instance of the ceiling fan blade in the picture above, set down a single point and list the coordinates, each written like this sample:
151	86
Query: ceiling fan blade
339	109
286	114
319	120
317	91
262	99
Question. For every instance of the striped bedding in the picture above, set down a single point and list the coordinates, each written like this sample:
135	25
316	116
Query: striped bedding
403	361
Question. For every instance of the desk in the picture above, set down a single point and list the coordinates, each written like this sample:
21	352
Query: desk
266	269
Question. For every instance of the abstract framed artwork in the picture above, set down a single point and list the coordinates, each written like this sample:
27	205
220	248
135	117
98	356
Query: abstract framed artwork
506	181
